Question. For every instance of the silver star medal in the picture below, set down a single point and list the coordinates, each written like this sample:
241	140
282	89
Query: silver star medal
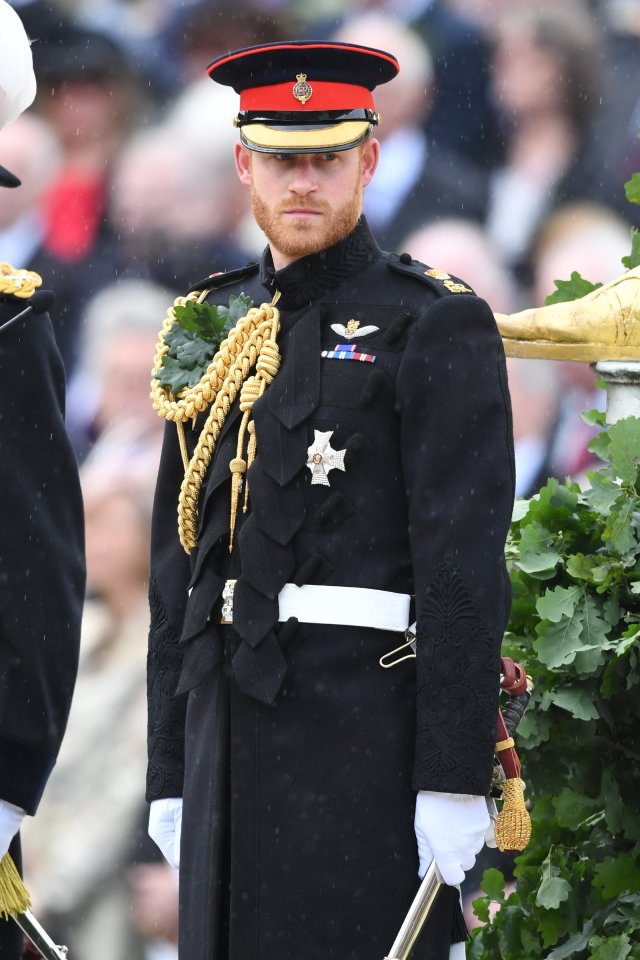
353	329
321	457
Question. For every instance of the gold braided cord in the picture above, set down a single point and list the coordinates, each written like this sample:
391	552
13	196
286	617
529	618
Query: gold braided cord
266	368
251	347
18	283
194	400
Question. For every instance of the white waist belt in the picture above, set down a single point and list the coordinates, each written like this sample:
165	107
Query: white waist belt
346	606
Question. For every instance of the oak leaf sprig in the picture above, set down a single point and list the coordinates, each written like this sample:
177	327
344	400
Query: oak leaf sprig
194	339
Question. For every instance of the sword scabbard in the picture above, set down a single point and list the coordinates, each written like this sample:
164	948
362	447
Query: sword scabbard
417	915
39	936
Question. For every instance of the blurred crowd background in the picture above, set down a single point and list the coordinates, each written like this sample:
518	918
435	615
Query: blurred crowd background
506	142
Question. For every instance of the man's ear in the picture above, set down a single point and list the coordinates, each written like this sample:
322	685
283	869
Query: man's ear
242	157
369	159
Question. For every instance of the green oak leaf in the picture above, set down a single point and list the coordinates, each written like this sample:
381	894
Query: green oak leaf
194	339
612	609
603	492
572	289
632	188
520	510
558	643
611	948
587	661
595	630
173	376
559	602
493	884
616	875
552	892
578	701
193	354
579	567
572	808
481	907
633	260
595	418
552	925
574	945
206	320
537	551
600	446
619	533
624	448
239	307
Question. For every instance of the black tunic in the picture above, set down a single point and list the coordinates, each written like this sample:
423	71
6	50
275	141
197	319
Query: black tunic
298	755
41	564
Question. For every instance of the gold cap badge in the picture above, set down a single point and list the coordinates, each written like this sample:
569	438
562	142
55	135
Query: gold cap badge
302	90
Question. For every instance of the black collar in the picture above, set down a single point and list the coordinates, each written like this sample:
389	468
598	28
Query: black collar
308	279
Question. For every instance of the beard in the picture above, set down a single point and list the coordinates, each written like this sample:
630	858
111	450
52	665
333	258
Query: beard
299	238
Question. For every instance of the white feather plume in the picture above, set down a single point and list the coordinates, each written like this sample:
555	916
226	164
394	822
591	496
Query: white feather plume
17	79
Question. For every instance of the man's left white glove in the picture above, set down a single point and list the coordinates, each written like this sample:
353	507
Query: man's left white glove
11	818
450	828
165	827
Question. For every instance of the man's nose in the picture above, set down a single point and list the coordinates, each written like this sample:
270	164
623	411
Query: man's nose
303	179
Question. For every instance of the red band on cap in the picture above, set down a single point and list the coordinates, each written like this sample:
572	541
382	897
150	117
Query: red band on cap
325	96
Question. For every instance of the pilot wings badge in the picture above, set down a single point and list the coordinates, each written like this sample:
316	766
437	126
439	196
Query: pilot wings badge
353	329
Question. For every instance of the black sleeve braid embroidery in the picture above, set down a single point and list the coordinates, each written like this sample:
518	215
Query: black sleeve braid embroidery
165	772
458	672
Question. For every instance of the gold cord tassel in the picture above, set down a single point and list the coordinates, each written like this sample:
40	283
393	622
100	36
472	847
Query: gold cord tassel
14	897
513	825
182	442
251	455
267	366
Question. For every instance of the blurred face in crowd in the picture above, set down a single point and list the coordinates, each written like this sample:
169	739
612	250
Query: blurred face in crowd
125	382
117	544
305	203
526	76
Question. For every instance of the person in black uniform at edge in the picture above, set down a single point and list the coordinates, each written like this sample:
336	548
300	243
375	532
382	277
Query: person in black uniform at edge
347	470
41	521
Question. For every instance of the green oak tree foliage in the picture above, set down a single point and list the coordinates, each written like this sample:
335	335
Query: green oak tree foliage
575	626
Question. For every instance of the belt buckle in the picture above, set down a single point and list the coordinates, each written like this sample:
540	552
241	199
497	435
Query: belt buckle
226	614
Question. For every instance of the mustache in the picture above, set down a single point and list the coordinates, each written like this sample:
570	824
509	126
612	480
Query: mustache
302	204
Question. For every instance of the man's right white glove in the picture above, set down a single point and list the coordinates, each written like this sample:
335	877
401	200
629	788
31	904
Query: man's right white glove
165	827
450	829
11	818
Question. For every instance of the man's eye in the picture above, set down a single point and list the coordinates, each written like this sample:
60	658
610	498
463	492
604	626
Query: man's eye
283	156
329	156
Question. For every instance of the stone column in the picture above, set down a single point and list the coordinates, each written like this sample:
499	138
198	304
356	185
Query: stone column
622	382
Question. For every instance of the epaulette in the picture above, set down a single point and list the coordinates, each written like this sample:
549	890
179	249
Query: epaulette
443	284
18	283
216	280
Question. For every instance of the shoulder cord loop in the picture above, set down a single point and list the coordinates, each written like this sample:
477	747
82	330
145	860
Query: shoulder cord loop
252	341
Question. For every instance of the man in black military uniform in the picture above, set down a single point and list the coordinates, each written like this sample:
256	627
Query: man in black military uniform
343	468
41	522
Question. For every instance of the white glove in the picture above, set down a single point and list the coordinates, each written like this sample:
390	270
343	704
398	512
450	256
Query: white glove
450	828
165	827
10	819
